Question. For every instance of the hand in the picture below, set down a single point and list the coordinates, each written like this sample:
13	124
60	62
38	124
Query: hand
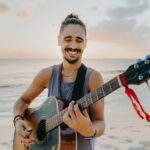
23	132
79	121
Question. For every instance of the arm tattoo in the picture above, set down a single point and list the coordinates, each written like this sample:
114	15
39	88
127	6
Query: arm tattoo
25	100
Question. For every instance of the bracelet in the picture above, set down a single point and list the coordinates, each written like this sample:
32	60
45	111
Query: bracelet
17	117
91	137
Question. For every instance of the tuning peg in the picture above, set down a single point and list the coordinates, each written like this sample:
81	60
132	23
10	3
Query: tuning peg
138	60
147	56
148	84
136	66
147	61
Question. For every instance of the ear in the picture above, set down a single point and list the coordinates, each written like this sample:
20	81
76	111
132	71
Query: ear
85	43
59	42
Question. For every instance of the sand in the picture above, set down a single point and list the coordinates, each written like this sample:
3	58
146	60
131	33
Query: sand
124	131
6	137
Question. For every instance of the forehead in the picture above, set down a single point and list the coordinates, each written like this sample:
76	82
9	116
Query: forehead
73	31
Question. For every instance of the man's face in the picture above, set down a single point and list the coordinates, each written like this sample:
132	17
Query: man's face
72	41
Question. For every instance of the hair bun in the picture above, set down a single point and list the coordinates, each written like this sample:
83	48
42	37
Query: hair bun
72	16
72	19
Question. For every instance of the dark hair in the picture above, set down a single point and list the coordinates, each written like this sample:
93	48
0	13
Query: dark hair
72	19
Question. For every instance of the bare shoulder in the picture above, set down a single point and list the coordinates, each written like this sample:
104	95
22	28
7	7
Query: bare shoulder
43	77
39	83
97	109
95	80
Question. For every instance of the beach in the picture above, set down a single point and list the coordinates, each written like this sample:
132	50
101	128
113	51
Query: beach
124	129
121	133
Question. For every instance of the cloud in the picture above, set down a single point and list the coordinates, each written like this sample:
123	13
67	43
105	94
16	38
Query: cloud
132	9
35	1
124	33
4	8
94	8
122	28
26	5
23	14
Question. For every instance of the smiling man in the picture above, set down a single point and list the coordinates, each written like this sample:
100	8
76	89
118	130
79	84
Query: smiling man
69	81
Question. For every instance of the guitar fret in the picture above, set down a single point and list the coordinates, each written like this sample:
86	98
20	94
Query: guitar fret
115	84
106	89
103	91
97	95
83	103
90	99
110	87
86	103
60	117
94	97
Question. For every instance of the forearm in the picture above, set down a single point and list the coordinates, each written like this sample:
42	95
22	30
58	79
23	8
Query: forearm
19	107
99	125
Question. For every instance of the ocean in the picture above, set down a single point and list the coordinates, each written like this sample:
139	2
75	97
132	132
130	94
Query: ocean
16	76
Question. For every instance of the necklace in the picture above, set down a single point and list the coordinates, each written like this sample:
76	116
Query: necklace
60	79
69	75
72	74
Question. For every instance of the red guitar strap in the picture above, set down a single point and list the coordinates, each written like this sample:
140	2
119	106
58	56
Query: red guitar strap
134	99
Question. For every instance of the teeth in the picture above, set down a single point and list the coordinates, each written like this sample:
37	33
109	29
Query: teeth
72	53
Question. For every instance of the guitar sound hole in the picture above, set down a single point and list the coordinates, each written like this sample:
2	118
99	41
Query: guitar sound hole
41	130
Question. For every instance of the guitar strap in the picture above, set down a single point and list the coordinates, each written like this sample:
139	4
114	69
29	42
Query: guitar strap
78	90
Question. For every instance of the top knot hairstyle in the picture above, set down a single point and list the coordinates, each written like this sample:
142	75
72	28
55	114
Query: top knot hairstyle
72	19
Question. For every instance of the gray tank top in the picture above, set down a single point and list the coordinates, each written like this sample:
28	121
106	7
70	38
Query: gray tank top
66	90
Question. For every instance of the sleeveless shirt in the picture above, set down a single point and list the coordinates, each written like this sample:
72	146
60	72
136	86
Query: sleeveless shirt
66	92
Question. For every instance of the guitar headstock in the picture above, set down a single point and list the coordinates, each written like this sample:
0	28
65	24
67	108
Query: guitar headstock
138	72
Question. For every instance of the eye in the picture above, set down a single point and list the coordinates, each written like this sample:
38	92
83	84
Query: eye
67	39
79	40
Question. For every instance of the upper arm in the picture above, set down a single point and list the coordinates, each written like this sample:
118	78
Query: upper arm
97	109
39	83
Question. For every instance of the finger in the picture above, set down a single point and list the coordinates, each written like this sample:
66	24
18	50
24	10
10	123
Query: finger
26	140
25	135
27	127
27	144
71	110
85	113
77	111
66	119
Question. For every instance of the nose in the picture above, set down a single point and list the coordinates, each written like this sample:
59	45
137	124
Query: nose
73	45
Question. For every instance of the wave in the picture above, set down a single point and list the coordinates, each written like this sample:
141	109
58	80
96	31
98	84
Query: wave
11	85
112	71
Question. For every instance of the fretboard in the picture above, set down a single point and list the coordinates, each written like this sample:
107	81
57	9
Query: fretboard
85	102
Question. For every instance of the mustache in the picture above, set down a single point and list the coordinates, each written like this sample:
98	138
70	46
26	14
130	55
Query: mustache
73	50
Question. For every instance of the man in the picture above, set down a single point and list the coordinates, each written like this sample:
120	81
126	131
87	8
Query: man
72	40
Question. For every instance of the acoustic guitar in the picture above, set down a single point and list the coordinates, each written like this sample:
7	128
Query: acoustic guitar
48	129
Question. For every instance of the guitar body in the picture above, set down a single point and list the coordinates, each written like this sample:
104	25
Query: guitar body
60	138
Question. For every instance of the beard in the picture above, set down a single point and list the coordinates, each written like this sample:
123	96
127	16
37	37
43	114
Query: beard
71	61
75	60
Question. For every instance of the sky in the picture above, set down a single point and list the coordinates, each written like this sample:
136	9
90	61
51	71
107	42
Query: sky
115	28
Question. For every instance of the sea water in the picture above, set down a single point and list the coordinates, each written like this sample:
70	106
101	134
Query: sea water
17	75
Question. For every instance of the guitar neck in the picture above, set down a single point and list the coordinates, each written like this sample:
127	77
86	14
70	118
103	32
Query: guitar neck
85	101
